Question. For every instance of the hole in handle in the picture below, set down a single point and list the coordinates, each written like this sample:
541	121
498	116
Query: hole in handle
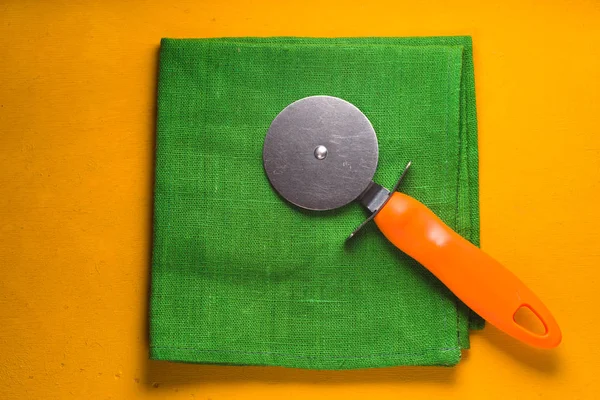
528	319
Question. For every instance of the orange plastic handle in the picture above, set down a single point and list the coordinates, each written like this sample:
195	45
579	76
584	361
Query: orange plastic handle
477	279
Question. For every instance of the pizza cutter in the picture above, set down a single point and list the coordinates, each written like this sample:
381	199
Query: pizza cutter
321	152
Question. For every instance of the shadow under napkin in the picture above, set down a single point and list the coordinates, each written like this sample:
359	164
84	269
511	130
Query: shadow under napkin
169	375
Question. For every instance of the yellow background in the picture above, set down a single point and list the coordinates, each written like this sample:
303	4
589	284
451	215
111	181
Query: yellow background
77	111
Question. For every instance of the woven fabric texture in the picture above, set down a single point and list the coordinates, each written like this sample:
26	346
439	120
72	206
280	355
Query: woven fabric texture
240	276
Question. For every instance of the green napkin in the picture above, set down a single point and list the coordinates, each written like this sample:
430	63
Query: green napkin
240	276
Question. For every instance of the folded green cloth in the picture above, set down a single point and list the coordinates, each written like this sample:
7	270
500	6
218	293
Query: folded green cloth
240	276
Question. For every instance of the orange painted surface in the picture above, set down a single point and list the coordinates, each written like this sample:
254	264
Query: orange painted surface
77	94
